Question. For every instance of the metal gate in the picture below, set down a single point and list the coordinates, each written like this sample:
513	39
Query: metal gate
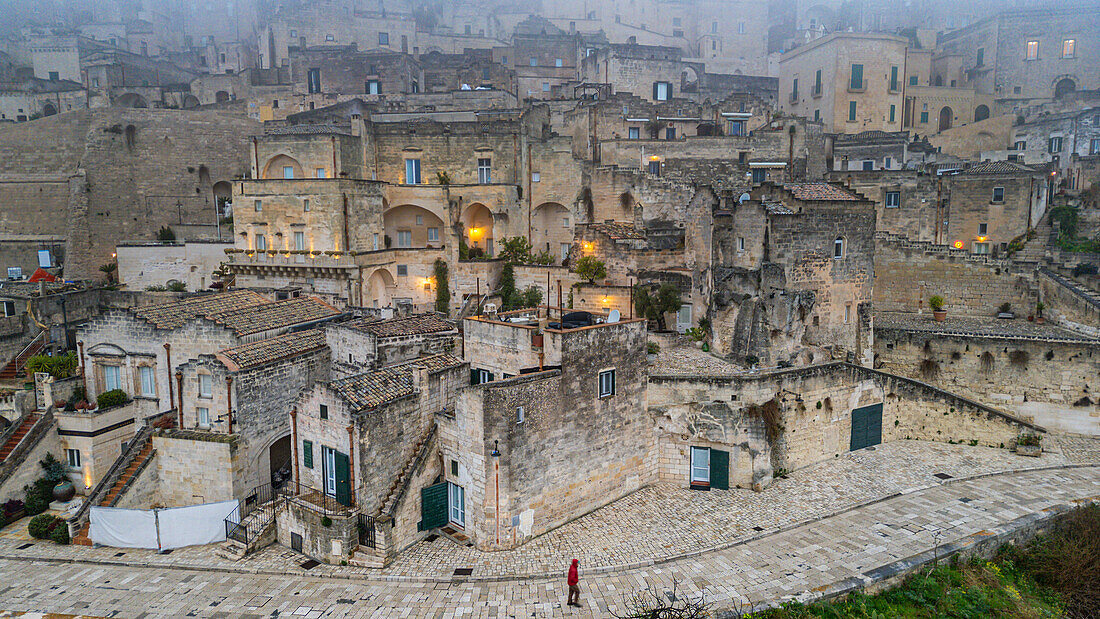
366	531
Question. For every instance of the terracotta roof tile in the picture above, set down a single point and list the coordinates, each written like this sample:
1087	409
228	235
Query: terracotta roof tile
396	327
286	346
175	314
373	389
618	231
820	191
998	167
259	318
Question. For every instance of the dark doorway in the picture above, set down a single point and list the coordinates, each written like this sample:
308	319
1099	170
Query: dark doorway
981	113
946	117
279	458
1064	87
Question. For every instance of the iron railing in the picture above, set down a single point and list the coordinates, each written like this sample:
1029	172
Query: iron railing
323	502
367	531
253	513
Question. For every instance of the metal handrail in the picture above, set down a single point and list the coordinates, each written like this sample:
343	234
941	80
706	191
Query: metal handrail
109	479
318	498
264	499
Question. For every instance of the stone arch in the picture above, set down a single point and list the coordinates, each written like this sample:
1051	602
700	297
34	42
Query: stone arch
223	198
49	109
404	218
276	167
379	288
132	99
981	113
477	227
221	96
190	102
552	229
1064	87
947	116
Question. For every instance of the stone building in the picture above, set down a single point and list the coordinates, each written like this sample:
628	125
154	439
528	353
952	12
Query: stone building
992	203
1066	139
870	150
370	343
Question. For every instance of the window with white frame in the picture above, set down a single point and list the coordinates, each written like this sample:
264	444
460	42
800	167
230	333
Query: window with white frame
404	238
203	415
420	220
412	171
261	242
633	133
838	247
520	414
998	194
700	465
484	170
1032	50
288	171
893	199
662	91
1069	48
206	386
148	381
299	241
320	173
73	457
1055	145
111	378
607	383
433	235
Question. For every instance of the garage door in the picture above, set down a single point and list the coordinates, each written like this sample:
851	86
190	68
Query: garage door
866	426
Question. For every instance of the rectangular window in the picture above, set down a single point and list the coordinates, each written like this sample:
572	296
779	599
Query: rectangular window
759	175
206	386
111	379
9	306
1069	48
402	270
261	242
288	171
893	199
924	117
981	248
300	241
607	383
323	409
847	314
404	238
633	133
1032	50
851	111
893	112
383	38
981	57
983	229
740	243
456	502
520	414
373	87
678	33
148	382
1020	145
305	205
1094	146
203	415
328	469
73	456
998	194
856	82
655	168
546	86
557	62
307	454
54	76
376	241
258	206
314	81
736	127
563	249
484	171
700	465
817	115
868	165
479	376
817	83
889	163
794	90
740	27
534	61
670	133
893	79
1055	145
433	235
412	171
661	91
420	220
913	80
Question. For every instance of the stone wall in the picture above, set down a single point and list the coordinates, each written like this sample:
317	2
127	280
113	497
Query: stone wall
1066	306
195	468
331	544
141	265
143	491
29	470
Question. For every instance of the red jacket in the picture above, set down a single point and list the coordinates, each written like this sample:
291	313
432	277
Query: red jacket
573	578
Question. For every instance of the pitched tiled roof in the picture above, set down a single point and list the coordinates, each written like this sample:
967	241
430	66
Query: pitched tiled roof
820	191
618	231
396	327
286	346
998	167
309	130
173	315
258	318
373	389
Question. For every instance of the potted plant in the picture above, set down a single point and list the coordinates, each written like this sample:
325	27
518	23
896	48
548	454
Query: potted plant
1039	307
1005	312
1029	445
938	313
651	349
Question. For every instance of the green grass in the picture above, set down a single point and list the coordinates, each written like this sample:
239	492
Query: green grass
974	589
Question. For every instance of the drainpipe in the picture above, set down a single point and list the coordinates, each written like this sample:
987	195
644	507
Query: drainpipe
171	393
229	402
83	373
347	241
294	448
351	463
179	385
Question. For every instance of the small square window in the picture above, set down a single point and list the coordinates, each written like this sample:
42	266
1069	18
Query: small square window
983	229
73	456
893	199
402	270
383	38
536	177
607	383
998	194
534	61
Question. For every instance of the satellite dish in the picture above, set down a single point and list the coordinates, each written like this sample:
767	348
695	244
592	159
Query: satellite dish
743	199
613	316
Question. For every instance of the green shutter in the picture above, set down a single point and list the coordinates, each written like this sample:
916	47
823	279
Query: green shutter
866	426
307	454
857	76
473	376
433	507
343	482
893	78
719	469
851	110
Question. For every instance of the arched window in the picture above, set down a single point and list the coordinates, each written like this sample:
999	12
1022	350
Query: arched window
838	247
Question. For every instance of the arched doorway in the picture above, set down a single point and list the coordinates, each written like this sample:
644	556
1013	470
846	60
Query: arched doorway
190	101
946	117
552	230
477	228
409	225
1064	87
981	113
132	99
223	198
379	287
282	166
279	463
49	109
221	96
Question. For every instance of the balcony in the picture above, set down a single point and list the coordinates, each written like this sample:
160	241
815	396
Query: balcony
816	91
249	261
857	88
794	97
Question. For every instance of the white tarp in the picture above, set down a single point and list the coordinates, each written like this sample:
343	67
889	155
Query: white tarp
160	528
123	528
194	525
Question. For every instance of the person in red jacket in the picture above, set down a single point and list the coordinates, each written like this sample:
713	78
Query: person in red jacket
574	590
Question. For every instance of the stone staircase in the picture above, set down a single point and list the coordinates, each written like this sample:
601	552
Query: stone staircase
1035	249
108	495
20	432
15	367
400	484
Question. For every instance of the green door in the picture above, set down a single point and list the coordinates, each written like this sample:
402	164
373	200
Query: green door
719	469
866	426
433	507
343	480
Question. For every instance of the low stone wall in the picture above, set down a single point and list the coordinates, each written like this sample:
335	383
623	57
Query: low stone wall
197	467
331	544
1067	307
21	468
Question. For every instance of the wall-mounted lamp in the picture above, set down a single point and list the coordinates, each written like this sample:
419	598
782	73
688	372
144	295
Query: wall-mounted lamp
797	396
496	452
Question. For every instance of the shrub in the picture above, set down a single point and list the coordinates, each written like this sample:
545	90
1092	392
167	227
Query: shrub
110	398
53	471
1005	308
39	527
936	302
326	521
36	498
177	286
60	533
652	348
515	250
591	269
59	366
12	506
442	287
166	234
1030	440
